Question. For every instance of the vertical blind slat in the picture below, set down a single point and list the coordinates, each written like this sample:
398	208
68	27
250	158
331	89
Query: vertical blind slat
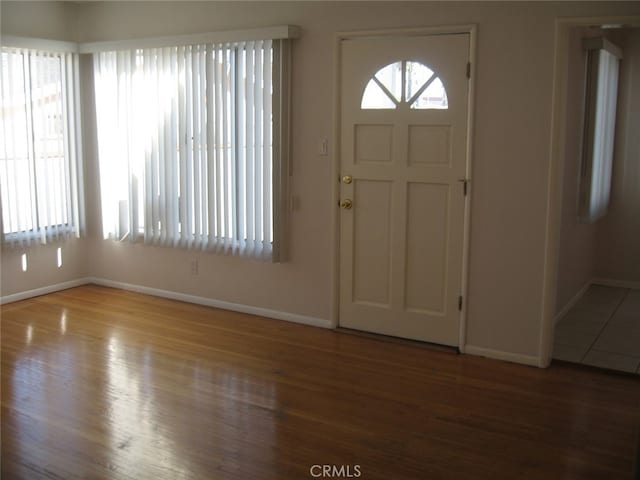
225	153
250	146
266	149
189	147
66	116
202	146
218	142
182	134
173	148
210	92
258	112
233	151
31	142
241	147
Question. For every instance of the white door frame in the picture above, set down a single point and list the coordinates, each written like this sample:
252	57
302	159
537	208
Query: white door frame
335	187
555	175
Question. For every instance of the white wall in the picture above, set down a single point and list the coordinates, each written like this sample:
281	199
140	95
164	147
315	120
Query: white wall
511	154
618	251
42	266
52	20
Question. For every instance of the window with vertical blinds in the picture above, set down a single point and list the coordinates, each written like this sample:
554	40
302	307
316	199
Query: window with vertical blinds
601	96
40	149
192	145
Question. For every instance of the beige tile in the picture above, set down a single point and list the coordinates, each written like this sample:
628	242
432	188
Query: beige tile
601	294
630	309
591	322
613	361
634	296
594	308
619	339
630	306
569	354
625	317
574	337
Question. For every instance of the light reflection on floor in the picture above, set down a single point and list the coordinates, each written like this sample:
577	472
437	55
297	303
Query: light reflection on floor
132	419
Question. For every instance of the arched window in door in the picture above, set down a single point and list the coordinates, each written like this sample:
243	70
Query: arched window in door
405	83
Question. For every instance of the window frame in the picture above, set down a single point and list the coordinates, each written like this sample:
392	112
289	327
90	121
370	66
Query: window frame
280	106
406	99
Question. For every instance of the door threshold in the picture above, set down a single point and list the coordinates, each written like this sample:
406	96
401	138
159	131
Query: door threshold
399	340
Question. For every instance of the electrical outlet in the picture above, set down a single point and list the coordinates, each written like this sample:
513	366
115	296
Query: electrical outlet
194	267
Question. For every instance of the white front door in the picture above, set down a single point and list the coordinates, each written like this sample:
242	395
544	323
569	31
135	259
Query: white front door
403	154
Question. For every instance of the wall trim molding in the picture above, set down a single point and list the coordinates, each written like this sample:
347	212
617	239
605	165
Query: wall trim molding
183	297
212	302
504	356
610	282
572	301
36	292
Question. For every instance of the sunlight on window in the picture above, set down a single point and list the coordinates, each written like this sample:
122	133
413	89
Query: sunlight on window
185	141
391	77
37	149
416	76
403	84
374	98
433	97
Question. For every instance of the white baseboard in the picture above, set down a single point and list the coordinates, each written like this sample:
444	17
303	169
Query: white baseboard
16	297
211	302
610	282
505	356
563	311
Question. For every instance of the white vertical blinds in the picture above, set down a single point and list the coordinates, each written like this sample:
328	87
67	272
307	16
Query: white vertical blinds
599	133
40	147
185	139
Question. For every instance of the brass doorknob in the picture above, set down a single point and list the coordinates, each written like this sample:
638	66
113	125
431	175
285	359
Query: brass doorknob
347	179
346	204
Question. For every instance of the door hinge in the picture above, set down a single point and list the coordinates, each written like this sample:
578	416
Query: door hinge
460	303
465	185
468	69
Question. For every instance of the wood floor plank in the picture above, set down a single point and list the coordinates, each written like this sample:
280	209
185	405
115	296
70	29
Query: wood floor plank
104	383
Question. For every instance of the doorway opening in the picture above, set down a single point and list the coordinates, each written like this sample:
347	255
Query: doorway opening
596	317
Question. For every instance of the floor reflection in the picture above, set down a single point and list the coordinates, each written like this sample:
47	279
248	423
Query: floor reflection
63	322
29	334
138	443
113	402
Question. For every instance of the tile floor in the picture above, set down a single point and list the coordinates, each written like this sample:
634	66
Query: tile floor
602	330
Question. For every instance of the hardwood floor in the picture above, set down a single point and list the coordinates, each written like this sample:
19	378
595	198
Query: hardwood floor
102	383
